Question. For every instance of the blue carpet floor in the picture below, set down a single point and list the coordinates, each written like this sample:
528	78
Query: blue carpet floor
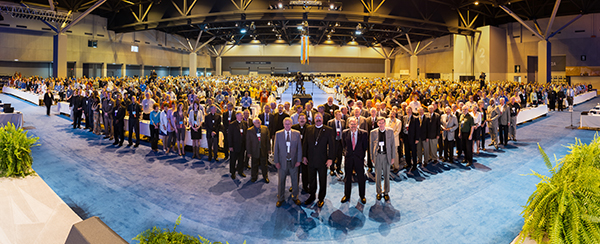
133	189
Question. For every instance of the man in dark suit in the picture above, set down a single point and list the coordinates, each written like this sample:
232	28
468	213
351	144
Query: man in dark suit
77	109
48	100
310	113
410	126
266	119
330	107
319	155
338	126
421	137
237	145
360	120
278	118
326	116
135	112
227	117
354	143
119	122
287	155
301	127
258	147
433	135
213	125
87	110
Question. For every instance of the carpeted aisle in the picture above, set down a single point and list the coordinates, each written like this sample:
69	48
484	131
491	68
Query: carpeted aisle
134	189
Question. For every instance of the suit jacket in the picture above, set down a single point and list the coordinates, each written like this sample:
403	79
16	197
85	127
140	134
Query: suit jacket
390	144
226	119
310	116
493	114
135	111
263	121
449	122
504	115
278	121
330	109
237	135
360	150
255	147
369	123
410	127
48	98
302	130
280	152
331	123
326	117
433	125
319	149
212	123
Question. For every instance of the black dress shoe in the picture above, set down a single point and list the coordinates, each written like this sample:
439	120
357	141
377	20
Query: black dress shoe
363	200
309	201
253	180
106	137
279	203
290	189
424	165
267	180
340	172
386	197
129	144
320	204
469	164
233	176
136	145
332	173
297	202
120	144
345	199
242	175
115	143
378	196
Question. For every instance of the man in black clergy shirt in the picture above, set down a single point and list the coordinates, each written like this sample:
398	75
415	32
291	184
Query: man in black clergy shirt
354	143
319	155
278	118
228	117
237	145
212	122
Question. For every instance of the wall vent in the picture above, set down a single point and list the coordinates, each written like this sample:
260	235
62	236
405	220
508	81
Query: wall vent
89	34
100	35
2	24
579	31
21	26
48	29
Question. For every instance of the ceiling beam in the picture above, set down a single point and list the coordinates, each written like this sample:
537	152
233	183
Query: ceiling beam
511	13
549	27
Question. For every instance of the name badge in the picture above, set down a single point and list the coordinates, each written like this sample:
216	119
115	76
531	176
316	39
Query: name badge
331	111
213	121
381	145
258	135
288	144
116	111
180	122
133	112
267	123
242	131
316	143
301	137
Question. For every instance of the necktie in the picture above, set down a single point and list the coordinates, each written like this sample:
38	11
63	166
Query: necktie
338	130
287	139
353	140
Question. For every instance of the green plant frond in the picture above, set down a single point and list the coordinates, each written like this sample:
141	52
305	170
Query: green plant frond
546	159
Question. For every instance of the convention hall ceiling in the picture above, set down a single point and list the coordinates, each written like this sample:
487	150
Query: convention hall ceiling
366	22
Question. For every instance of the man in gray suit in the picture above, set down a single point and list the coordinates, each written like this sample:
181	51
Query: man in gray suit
449	124
258	147
287	156
493	113
504	121
383	153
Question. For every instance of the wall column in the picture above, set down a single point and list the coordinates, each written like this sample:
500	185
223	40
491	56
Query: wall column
142	71
78	69
414	64
123	70
180	71
104	70
219	65
544	56
387	67
59	56
193	64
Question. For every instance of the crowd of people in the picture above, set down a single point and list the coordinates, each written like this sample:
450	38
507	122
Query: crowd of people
381	125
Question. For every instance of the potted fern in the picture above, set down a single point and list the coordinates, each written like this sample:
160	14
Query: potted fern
565	207
15	151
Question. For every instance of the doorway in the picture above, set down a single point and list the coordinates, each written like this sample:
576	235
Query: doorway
532	69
